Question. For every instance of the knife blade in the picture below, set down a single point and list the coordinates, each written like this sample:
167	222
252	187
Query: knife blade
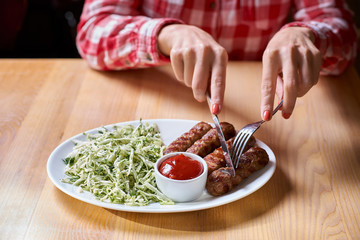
224	147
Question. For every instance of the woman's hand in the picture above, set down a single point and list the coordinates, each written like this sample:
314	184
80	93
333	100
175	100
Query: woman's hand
197	60
291	66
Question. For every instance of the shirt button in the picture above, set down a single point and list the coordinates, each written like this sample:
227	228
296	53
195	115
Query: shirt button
212	5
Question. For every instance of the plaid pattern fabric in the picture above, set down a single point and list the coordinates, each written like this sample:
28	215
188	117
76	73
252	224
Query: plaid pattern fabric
118	34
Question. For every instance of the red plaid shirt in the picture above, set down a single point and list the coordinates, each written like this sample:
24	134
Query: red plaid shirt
118	34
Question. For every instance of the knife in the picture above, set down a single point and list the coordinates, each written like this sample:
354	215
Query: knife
224	147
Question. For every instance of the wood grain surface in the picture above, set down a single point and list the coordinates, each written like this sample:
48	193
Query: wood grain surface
314	193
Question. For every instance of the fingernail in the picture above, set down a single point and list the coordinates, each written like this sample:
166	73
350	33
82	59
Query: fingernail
215	108
266	115
286	115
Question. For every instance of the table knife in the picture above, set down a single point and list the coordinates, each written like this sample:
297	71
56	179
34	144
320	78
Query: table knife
224	147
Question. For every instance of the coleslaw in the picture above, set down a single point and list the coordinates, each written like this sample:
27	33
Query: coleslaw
117	165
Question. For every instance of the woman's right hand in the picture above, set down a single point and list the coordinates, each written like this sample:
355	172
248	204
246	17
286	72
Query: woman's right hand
197	60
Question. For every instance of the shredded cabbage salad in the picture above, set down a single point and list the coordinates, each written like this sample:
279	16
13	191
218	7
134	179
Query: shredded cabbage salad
117	166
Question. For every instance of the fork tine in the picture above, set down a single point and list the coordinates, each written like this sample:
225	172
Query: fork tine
238	142
240	134
243	145
247	131
239	145
235	145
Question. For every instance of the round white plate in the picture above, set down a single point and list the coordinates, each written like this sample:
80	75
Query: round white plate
170	129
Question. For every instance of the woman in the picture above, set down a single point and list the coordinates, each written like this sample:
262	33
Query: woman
198	38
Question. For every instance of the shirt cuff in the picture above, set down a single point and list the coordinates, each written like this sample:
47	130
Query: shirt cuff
148	52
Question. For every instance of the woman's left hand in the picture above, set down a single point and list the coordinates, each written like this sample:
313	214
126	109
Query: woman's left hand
292	54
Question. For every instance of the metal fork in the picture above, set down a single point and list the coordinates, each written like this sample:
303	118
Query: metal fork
244	135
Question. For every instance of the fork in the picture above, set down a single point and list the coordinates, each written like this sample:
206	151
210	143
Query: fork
244	135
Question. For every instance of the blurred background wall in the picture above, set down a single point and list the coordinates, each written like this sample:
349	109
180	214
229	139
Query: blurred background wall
47	28
39	28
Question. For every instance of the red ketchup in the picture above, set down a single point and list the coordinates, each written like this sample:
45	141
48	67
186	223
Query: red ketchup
181	167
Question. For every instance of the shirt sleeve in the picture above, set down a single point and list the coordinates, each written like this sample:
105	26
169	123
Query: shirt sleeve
112	35
334	30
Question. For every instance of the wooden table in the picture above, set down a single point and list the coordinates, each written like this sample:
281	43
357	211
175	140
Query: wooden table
314	193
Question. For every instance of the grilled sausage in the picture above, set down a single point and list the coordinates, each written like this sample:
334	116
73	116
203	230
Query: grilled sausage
187	139
254	159
210	141
216	159
220	181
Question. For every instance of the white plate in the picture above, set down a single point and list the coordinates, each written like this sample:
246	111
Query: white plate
170	129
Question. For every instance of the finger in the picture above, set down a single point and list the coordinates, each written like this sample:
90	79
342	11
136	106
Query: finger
271	65
317	61
177	64
201	80
189	65
280	88
218	79
313	60
291	78
306	77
